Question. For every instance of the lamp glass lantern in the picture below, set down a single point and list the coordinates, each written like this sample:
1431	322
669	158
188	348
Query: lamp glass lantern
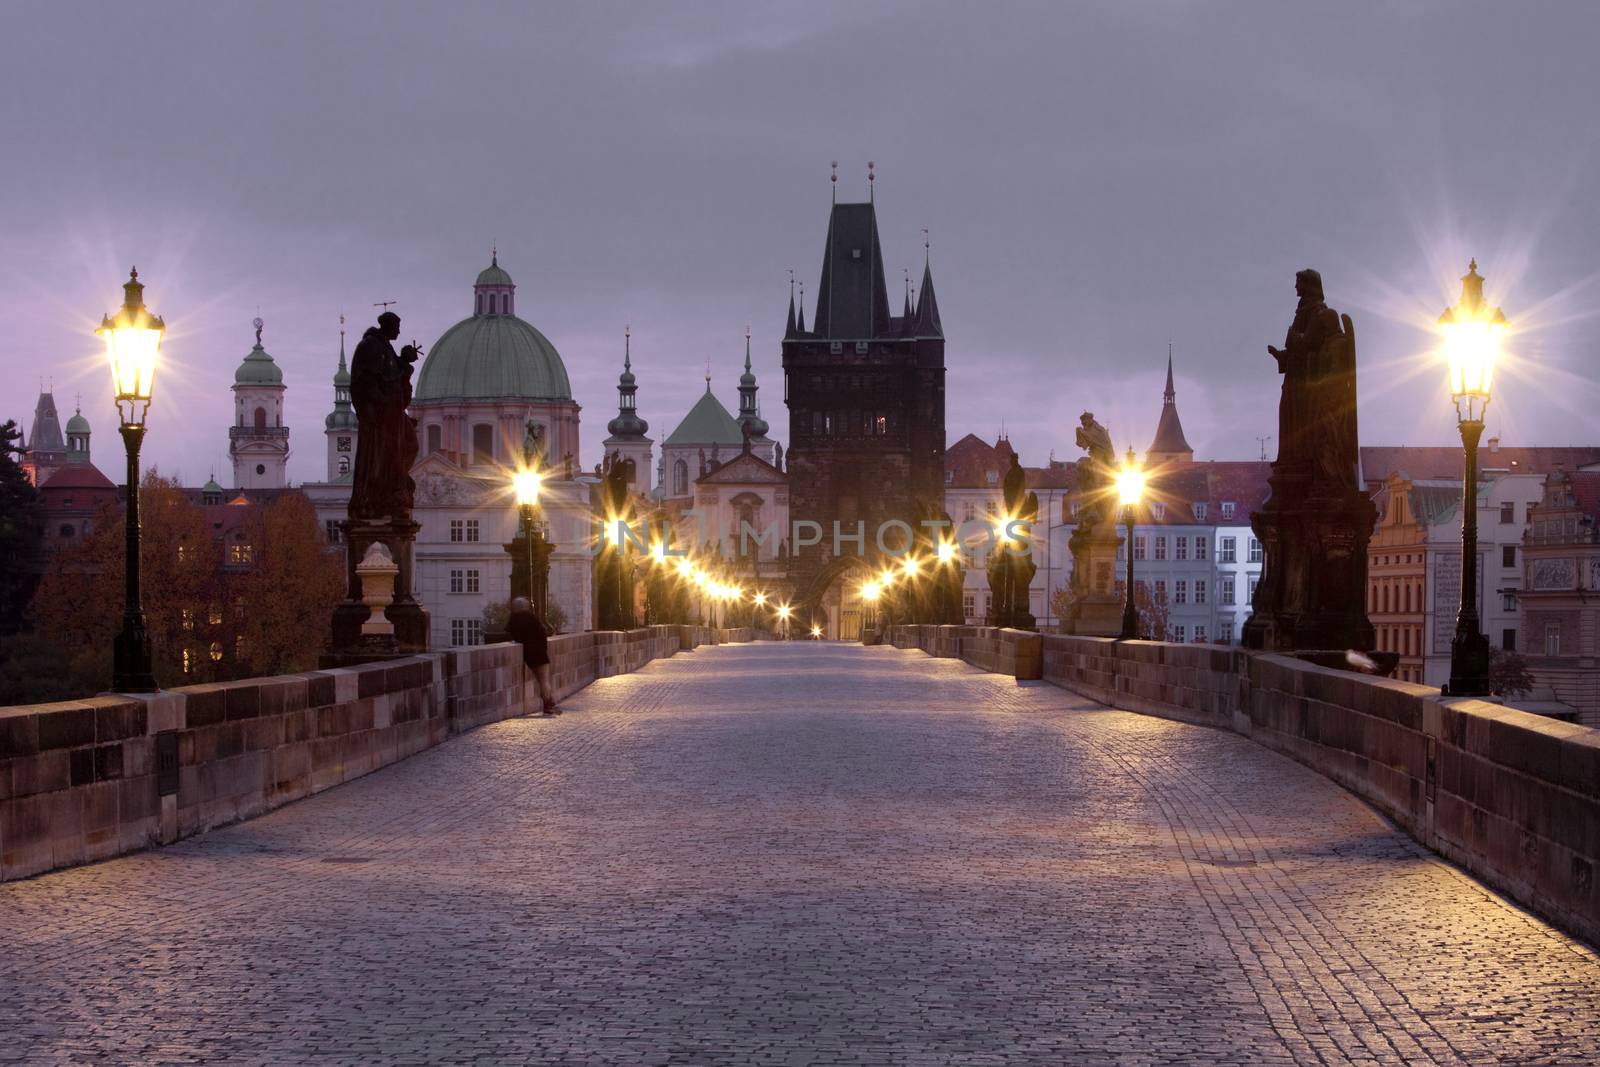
133	343
1130	481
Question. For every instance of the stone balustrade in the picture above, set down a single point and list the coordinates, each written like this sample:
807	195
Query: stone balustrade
1512	797
88	779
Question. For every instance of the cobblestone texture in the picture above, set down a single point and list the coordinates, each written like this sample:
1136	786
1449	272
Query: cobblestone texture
801	854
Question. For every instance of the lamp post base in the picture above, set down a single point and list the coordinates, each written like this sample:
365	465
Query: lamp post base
131	659
1469	666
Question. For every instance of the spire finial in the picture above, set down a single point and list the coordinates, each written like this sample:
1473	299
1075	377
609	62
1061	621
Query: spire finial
872	179
708	374
833	180
1171	394
927	249
747	348
494	253
627	346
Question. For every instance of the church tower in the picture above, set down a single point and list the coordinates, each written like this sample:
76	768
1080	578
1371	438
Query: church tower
341	421
865	391
749	409
258	441
1169	447
47	450
628	429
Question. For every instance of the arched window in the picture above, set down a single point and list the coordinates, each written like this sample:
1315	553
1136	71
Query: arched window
505	303
434	439
482	444
480	303
680	478
261	418
344	464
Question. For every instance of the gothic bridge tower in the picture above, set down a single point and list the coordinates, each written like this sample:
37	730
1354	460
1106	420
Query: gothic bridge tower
865	392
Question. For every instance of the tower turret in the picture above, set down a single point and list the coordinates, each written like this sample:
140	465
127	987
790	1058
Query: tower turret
749	410
628	429
1169	445
341	421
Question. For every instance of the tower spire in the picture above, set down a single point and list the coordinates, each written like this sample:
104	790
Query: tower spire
788	330
1171	395
800	321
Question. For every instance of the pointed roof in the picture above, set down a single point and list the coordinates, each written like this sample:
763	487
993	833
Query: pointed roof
46	433
494	273
627	426
788	330
852	303
343	415
707	423
928	305
1169	431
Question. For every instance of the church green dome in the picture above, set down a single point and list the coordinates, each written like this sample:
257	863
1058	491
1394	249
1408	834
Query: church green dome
258	369
493	357
493	274
77	424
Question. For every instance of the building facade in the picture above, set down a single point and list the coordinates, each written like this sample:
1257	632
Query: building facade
258	440
1560	596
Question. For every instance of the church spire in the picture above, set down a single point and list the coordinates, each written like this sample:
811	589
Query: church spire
1170	446
1171	395
749	411
788	330
627	423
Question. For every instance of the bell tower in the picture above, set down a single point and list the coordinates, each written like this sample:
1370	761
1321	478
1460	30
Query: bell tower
258	441
341	421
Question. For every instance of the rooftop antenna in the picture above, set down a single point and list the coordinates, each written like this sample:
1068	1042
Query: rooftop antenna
1263	441
385	304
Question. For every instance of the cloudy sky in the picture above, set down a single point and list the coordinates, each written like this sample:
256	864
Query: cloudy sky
1099	181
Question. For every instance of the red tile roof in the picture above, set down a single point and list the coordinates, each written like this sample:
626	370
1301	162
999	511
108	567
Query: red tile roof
78	476
1439	462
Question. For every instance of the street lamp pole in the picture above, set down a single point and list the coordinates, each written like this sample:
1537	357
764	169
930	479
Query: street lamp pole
133	340
1472	333
1130	486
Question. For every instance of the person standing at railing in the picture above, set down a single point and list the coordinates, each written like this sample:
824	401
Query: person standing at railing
527	630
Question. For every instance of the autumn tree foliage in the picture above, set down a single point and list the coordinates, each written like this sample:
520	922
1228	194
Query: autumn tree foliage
210	616
21	532
1154	614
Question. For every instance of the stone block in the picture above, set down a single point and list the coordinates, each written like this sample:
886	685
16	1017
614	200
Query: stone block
44	772
19	733
81	764
117	718
204	705
107	762
66	726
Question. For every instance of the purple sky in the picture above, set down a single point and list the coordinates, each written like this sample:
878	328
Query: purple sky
1098	180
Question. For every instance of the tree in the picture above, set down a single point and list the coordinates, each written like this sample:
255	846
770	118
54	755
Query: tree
1508	674
283	606
21	533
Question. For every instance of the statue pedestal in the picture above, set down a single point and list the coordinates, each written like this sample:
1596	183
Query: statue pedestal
1096	609
1313	592
409	621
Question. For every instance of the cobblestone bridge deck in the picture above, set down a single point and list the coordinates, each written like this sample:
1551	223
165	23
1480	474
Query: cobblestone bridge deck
800	854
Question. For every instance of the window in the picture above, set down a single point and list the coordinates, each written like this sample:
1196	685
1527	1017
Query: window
240	553
1161	548
1254	581
1159	509
1200	634
1227	509
949	476
215	615
969	512
992	509
1225	630
1138	546
482	444
472	529
261	418
216	652
1508	555
435	440
1180	633
188	664
344	464
463	530
1227	590
1202	547
188	622
505	303
1161	590
969	605
1181	548
1199	590
480	303
331	527
680	478
466	631
1199	512
1229	552
1508	640
1255	551
464	581
1508	602
1508	512
238	609
1180	591
1552	639
991	477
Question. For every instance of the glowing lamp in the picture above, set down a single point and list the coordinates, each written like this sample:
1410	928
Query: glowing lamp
1130	482
526	483
947	551
871	591
784	611
133	339
761	600
1472	333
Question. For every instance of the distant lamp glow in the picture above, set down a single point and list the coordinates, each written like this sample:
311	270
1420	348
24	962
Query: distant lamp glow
816	631
526	484
909	566
947	551
871	591
784	611
133	340
658	552
761	600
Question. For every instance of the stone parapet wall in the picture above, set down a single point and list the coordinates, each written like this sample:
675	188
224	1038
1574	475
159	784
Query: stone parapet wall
1512	797
82	780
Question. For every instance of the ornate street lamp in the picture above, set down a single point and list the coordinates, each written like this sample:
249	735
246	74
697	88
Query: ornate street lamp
526	484
133	340
1130	487
1472	333
870	592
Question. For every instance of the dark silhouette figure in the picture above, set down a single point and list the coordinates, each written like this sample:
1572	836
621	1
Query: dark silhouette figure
525	628
1011	567
386	439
